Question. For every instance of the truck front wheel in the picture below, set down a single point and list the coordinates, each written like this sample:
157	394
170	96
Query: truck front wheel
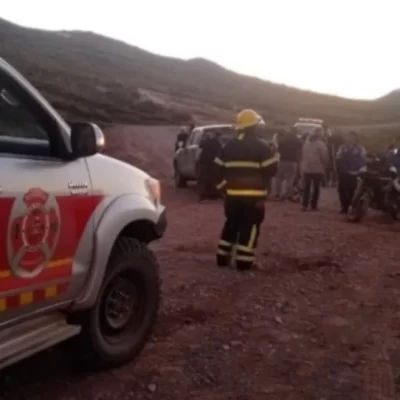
123	318
359	207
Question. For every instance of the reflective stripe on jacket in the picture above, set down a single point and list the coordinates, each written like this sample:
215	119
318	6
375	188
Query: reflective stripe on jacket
245	166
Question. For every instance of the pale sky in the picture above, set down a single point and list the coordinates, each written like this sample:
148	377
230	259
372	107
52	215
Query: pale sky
344	47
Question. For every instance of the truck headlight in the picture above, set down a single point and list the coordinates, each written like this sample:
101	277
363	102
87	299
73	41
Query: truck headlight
154	189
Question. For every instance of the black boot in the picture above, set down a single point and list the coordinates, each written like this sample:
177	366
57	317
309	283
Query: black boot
223	261
244	266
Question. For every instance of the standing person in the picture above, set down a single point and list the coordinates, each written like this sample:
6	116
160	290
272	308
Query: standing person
190	128
394	144
206	180
350	157
244	166
314	160
274	152
289	147
298	182
181	138
335	140
393	154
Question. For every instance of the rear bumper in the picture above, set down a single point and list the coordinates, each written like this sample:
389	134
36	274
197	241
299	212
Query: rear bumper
161	226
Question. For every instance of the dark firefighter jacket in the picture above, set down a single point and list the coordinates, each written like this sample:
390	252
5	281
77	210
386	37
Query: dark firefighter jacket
245	167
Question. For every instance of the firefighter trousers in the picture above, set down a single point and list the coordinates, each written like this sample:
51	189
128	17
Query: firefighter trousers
243	217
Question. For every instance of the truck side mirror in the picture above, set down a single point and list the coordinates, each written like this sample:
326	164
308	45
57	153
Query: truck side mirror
87	139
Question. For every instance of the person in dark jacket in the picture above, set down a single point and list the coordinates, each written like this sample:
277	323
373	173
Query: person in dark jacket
245	166
393	155
289	147
392	145
350	157
206	180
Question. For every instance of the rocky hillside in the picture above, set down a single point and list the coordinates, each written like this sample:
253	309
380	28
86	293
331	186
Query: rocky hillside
391	100
88	75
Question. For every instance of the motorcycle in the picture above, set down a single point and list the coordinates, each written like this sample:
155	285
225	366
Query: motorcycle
378	187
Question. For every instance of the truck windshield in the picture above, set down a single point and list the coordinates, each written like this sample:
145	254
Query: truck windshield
301	129
226	133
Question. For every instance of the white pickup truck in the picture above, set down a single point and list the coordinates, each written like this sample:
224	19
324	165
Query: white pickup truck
74	224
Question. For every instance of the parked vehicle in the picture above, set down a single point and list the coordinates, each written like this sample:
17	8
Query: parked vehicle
186	158
308	125
378	187
75	225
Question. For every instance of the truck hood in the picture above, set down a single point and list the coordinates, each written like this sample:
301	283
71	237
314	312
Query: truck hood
116	177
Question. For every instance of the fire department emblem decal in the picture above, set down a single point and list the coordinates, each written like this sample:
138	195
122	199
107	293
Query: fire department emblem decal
33	232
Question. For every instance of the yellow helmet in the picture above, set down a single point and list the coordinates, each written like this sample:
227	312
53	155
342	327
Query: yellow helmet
247	119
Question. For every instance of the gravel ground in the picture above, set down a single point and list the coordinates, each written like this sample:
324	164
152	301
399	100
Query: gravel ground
317	320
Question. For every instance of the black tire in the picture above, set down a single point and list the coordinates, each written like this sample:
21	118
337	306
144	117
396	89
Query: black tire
358	208
390	205
393	211
180	181
131	266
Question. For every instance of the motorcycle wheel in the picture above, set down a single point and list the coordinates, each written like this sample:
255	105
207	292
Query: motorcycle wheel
393	211
391	206
358	208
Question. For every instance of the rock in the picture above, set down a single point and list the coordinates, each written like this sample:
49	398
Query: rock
278	320
152	387
235	343
226	347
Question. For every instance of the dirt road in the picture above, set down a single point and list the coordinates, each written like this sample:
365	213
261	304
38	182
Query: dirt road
317	320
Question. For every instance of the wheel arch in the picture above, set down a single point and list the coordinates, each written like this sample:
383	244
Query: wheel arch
130	216
141	229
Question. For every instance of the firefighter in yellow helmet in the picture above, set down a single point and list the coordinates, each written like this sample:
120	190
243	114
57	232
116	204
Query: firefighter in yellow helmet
245	167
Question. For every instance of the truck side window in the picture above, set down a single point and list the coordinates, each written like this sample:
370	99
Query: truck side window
192	137
195	137
16	121
25	128
198	137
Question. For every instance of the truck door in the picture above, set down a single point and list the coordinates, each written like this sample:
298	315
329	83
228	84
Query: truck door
45	208
193	152
185	156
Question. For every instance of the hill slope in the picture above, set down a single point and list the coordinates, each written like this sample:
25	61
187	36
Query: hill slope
88	75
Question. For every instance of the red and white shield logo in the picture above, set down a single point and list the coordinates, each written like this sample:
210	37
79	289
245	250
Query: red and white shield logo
33	232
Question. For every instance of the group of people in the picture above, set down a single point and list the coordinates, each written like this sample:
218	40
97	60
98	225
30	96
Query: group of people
316	159
241	172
